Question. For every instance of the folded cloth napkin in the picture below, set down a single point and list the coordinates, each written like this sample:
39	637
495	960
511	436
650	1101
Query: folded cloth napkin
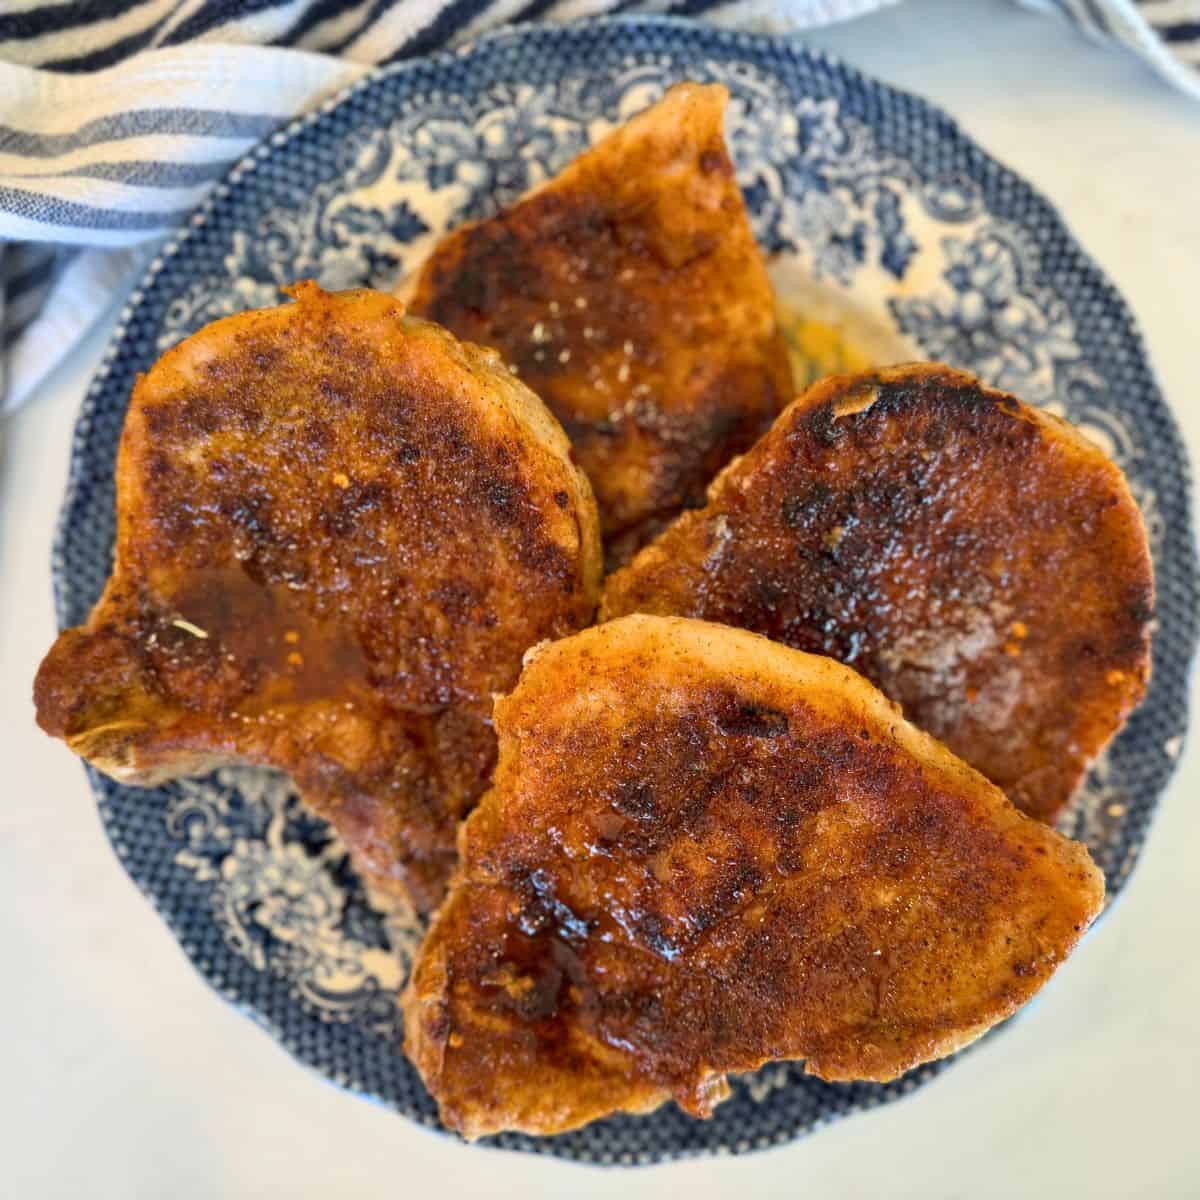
118	116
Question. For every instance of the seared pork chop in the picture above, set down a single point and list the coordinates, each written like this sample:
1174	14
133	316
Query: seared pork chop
704	851
975	558
629	293
339	529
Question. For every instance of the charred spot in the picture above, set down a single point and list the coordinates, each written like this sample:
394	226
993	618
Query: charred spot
493	266
349	505
1009	405
981	404
454	445
893	500
693	730
193	417
808	790
245	414
561	499
936	435
635	798
572	966
740	881
1141	606
400	409
743	881
545	558
266	358
408	454
541	909
800	510
502	499
722	421
651	929
766	594
159	419
159	467
331	391
457	598
251	513
317	434
438	1023
787	818
751	720
823	427
947	404
697	800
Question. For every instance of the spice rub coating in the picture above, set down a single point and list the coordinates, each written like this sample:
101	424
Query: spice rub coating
704	851
338	530
629	293
976	558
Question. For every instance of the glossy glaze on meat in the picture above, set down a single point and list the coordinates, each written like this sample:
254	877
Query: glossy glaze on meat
975	558
629	293
704	851
339	529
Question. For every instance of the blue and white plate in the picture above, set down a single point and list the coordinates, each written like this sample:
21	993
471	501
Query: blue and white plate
893	233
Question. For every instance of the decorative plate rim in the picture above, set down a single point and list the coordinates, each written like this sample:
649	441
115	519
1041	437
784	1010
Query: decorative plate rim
736	44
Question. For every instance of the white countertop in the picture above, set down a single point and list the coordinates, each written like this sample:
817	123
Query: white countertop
125	1076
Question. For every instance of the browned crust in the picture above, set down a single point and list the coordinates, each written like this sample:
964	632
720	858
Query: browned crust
977	559
629	293
338	531
704	851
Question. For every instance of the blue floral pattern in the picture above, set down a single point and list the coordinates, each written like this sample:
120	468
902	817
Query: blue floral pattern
818	185
990	317
856	189
284	897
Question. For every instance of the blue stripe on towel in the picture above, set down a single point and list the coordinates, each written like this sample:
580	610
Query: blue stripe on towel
53	210
194	122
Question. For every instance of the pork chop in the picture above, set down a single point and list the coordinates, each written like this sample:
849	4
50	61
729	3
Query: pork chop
629	293
338	530
977	559
704	851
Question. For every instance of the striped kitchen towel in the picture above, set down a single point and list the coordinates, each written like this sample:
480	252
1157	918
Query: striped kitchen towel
1164	32
117	116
